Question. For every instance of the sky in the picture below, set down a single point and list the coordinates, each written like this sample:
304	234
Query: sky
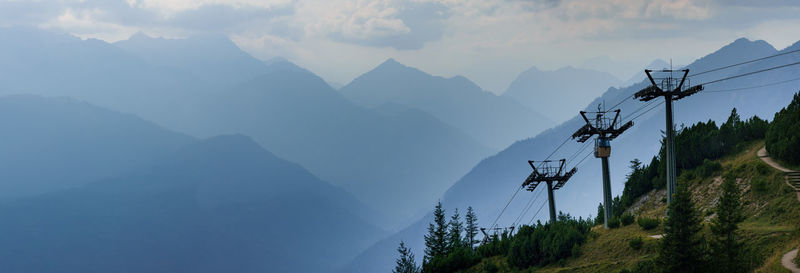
488	41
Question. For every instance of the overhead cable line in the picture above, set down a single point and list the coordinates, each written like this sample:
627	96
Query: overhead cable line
745	62
750	73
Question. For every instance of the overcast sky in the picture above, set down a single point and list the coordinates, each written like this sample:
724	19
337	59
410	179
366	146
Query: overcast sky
488	41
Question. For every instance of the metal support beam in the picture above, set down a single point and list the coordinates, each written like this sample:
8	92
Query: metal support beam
551	201
554	176
607	203
670	150
671	89
606	129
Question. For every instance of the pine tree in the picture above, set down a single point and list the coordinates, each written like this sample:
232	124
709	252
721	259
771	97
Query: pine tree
781	136
682	248
406	262
601	214
454	240
636	164
726	248
471	230
436	239
729	131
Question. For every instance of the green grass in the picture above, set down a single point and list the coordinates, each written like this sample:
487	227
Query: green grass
771	229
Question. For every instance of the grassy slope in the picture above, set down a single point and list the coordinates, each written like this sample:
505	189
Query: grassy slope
771	227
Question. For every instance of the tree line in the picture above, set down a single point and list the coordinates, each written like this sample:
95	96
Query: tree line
697	147
450	246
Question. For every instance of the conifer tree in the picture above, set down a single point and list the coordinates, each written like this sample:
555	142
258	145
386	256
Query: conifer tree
727	255
454	235
406	262
781	136
601	214
436	239
682	248
471	230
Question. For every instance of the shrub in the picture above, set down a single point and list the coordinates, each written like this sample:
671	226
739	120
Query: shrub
626	219
490	267
687	175
636	243
758	185
708	168
646	266
460	259
576	250
613	222
648	223
548	244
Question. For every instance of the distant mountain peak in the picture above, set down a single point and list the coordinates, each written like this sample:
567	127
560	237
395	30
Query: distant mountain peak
658	64
746	44
391	63
140	36
393	69
739	50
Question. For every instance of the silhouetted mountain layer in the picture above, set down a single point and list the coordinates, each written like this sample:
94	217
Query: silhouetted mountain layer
384	158
218	205
58	143
558	94
206	86
493	120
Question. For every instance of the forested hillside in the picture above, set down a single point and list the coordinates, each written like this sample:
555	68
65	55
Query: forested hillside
731	213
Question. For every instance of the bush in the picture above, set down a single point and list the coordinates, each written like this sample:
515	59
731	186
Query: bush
460	259
613	222
548	244
648	223
758	185
708	168
646	266
576	250
636	243
490	267
626	219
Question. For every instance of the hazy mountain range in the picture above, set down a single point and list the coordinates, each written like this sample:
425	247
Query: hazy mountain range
561	93
205	86
493	120
115	191
176	155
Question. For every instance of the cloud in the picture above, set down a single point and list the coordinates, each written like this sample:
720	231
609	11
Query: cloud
104	19
224	18
405	25
480	38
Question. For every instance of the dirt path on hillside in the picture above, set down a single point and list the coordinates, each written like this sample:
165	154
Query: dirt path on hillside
765	157
788	259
